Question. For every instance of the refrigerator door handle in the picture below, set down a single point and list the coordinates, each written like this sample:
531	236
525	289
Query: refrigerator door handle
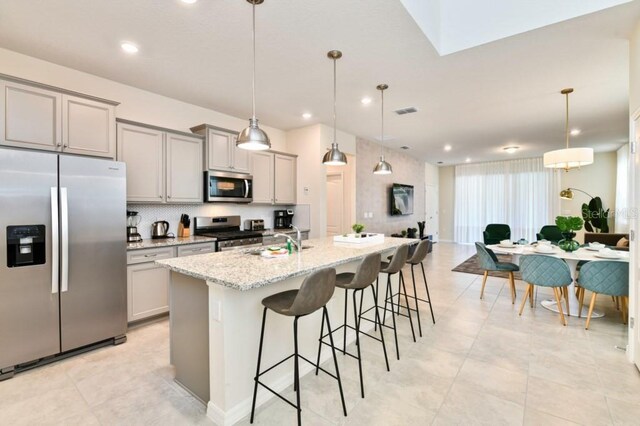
64	235
55	247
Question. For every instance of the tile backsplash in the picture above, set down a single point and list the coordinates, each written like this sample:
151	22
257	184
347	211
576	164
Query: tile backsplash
150	213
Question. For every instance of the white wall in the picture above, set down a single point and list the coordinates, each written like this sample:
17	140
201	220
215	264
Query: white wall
446	202
135	104
597	179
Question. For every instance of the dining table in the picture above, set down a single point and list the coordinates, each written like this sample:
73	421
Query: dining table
572	259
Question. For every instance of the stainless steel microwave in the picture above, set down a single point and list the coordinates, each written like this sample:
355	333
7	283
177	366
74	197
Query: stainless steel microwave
224	187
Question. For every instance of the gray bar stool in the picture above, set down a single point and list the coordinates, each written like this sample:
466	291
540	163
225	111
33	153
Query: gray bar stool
365	276
420	253
393	267
316	290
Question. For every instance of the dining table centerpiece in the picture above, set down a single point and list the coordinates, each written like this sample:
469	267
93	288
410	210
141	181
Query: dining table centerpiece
567	226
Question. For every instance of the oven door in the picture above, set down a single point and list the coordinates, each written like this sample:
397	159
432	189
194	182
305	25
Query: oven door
221	187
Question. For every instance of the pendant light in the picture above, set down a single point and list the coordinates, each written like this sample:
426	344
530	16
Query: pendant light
253	138
334	157
568	158
382	168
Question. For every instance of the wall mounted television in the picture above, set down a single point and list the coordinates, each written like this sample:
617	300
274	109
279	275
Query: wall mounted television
401	199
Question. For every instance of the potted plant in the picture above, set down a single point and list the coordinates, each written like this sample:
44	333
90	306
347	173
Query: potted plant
567	225
357	228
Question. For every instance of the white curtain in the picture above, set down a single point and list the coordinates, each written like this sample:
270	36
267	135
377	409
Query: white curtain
521	193
622	191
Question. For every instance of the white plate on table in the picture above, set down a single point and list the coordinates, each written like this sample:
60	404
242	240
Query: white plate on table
543	251
595	248
610	255
506	245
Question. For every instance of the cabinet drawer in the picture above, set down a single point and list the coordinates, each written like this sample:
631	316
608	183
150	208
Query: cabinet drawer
192	249
149	255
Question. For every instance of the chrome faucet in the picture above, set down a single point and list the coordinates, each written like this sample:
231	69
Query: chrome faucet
298	241
298	237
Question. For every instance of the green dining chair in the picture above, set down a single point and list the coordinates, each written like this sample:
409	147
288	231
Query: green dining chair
550	233
608	277
496	232
488	261
545	271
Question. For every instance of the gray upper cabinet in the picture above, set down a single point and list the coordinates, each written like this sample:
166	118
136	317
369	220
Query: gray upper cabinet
220	151
274	178
40	117
88	127
184	174
163	166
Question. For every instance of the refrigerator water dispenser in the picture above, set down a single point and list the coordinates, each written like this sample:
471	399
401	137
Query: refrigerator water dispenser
25	245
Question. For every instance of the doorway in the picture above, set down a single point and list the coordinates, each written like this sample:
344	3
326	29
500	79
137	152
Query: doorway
335	204
633	348
431	211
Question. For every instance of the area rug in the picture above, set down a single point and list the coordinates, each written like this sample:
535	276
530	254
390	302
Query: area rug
470	266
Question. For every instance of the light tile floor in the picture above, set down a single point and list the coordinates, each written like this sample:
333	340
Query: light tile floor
480	364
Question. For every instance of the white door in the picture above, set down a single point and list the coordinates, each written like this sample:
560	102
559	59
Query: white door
431	211
335	204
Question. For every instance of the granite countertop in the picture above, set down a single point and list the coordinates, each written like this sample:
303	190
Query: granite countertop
243	271
168	242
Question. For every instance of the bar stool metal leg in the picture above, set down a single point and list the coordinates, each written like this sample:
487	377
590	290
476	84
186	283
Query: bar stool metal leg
335	360
320	345
357	324
406	299
344	331
426	286
393	316
255	388
415	294
296	369
377	318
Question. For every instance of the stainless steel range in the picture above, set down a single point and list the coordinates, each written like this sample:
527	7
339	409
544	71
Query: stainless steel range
226	231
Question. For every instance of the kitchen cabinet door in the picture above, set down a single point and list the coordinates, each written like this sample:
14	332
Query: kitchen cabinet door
184	171
30	117
148	291
262	172
142	149
219	150
88	127
285	179
241	157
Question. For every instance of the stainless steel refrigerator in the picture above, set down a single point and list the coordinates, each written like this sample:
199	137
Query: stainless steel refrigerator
62	255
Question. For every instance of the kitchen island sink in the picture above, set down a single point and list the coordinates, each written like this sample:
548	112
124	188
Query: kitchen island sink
216	313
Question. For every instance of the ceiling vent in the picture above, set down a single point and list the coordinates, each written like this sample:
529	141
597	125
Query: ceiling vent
404	147
403	111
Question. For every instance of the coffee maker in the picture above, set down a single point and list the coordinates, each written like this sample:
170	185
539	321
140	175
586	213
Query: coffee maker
132	227
283	219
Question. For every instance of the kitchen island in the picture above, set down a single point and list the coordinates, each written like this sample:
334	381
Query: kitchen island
216	313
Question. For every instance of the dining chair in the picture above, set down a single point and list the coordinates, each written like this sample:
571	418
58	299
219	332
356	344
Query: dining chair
549	233
545	271
488	261
496	232
604	277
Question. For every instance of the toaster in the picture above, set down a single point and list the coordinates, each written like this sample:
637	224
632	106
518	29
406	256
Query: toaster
254	225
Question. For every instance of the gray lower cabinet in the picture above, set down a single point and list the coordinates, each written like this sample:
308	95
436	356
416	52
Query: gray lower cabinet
148	283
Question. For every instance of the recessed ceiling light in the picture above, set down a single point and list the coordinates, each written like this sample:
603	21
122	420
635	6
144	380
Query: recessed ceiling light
468	160
366	101
575	132
129	47
511	149
189	1
306	115
447	148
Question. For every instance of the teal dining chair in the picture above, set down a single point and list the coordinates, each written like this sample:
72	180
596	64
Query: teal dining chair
605	277
488	261
545	271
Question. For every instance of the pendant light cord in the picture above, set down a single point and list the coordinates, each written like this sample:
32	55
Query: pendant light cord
335	131
253	95
566	126
382	127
